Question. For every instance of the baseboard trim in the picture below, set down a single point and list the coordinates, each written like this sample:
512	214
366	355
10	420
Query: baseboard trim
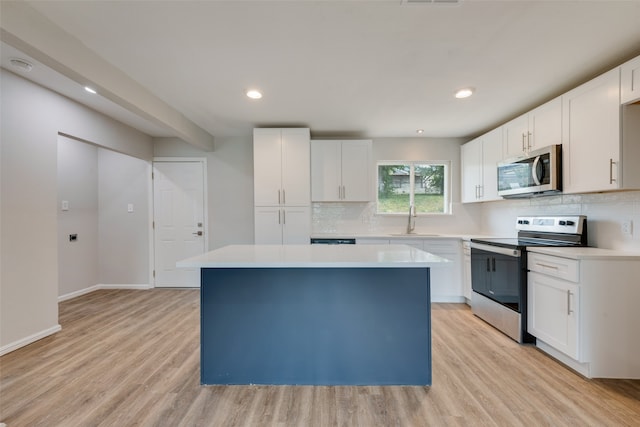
28	340
94	288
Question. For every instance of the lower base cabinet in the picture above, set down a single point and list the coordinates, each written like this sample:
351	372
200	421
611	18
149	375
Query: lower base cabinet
584	312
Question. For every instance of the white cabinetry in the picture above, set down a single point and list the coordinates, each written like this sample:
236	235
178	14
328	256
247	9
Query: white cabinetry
281	167
341	171
480	158
553	303
630	81
584	312
466	270
282	194
282	225
536	129
592	135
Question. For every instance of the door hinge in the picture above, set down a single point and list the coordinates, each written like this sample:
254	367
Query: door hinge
153	225
154	274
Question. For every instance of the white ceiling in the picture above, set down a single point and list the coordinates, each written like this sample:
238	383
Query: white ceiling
354	68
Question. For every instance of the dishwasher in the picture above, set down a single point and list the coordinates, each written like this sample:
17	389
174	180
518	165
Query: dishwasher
333	241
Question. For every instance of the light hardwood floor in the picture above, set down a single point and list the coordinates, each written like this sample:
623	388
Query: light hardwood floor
127	358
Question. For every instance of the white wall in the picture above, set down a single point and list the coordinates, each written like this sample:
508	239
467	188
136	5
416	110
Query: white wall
124	237
78	186
362	218
229	185
31	119
605	213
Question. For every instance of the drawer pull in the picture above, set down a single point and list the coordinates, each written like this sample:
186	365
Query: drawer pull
569	311
547	266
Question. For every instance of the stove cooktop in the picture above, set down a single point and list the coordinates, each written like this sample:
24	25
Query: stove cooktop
522	243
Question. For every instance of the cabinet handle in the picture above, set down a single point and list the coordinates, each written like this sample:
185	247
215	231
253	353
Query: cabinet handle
279	214
488	264
493	262
569	311
284	200
278	196
529	134
547	266
481	191
523	145
611	178
284	217
344	192
339	193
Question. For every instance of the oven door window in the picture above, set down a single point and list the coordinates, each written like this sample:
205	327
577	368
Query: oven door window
498	277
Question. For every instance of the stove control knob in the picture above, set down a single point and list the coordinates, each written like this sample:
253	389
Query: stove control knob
561	222
571	223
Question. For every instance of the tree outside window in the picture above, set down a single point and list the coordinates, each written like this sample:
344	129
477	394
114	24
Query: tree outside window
422	184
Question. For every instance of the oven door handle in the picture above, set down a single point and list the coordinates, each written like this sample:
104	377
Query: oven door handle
496	249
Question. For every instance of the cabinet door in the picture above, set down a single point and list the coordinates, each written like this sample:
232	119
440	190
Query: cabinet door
491	156
471	159
356	167
267	167
268	225
591	148
630	81
296	225
515	136
545	124
553	312
325	171
296	167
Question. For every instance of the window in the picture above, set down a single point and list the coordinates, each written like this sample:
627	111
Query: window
424	185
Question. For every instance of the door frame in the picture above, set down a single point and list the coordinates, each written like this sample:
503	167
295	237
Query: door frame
205	205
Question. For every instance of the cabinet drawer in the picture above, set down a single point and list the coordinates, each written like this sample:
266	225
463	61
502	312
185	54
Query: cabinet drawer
563	268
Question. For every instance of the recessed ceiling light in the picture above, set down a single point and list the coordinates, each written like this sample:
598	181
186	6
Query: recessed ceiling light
464	92
21	64
420	131
90	90
254	94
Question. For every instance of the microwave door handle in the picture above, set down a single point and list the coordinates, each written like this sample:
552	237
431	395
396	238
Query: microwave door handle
534	170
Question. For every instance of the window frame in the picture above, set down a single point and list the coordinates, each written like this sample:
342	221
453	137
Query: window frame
447	206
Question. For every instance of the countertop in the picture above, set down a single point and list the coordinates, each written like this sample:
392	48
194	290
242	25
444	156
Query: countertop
314	256
587	253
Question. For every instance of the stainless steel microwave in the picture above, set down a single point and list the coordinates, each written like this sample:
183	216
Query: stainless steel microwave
538	173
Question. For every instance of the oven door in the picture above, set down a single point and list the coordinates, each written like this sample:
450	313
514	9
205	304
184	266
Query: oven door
498	273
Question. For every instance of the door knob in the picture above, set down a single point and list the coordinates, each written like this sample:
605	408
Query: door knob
199	233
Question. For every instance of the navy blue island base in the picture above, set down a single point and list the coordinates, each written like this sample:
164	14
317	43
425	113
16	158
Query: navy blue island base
316	326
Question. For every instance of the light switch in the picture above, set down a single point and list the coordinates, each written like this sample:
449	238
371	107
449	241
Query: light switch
65	205
130	207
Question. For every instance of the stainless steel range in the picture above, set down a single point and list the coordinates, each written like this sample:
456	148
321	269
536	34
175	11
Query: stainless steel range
499	269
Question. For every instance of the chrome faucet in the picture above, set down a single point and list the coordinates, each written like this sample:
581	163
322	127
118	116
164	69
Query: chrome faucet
411	225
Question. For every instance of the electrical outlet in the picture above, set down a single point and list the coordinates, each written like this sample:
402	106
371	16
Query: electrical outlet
627	227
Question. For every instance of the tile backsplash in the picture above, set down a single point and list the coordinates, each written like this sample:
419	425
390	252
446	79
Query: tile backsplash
606	213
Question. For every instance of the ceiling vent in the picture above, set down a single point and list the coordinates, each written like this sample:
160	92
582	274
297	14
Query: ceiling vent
21	64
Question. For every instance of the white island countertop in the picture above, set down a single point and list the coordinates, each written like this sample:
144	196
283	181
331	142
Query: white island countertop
314	256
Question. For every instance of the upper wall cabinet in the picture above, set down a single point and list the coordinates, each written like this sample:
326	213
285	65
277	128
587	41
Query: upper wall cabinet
598	156
480	159
538	128
341	170
281	166
630	81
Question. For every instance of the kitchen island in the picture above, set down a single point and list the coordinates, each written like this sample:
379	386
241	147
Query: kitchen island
315	314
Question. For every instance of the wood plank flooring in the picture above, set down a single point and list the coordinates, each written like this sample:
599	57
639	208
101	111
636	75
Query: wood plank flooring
131	358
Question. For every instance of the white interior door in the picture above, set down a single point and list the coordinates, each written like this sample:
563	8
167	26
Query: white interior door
178	211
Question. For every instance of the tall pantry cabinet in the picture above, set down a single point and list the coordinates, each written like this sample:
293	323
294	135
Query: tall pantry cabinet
282	188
